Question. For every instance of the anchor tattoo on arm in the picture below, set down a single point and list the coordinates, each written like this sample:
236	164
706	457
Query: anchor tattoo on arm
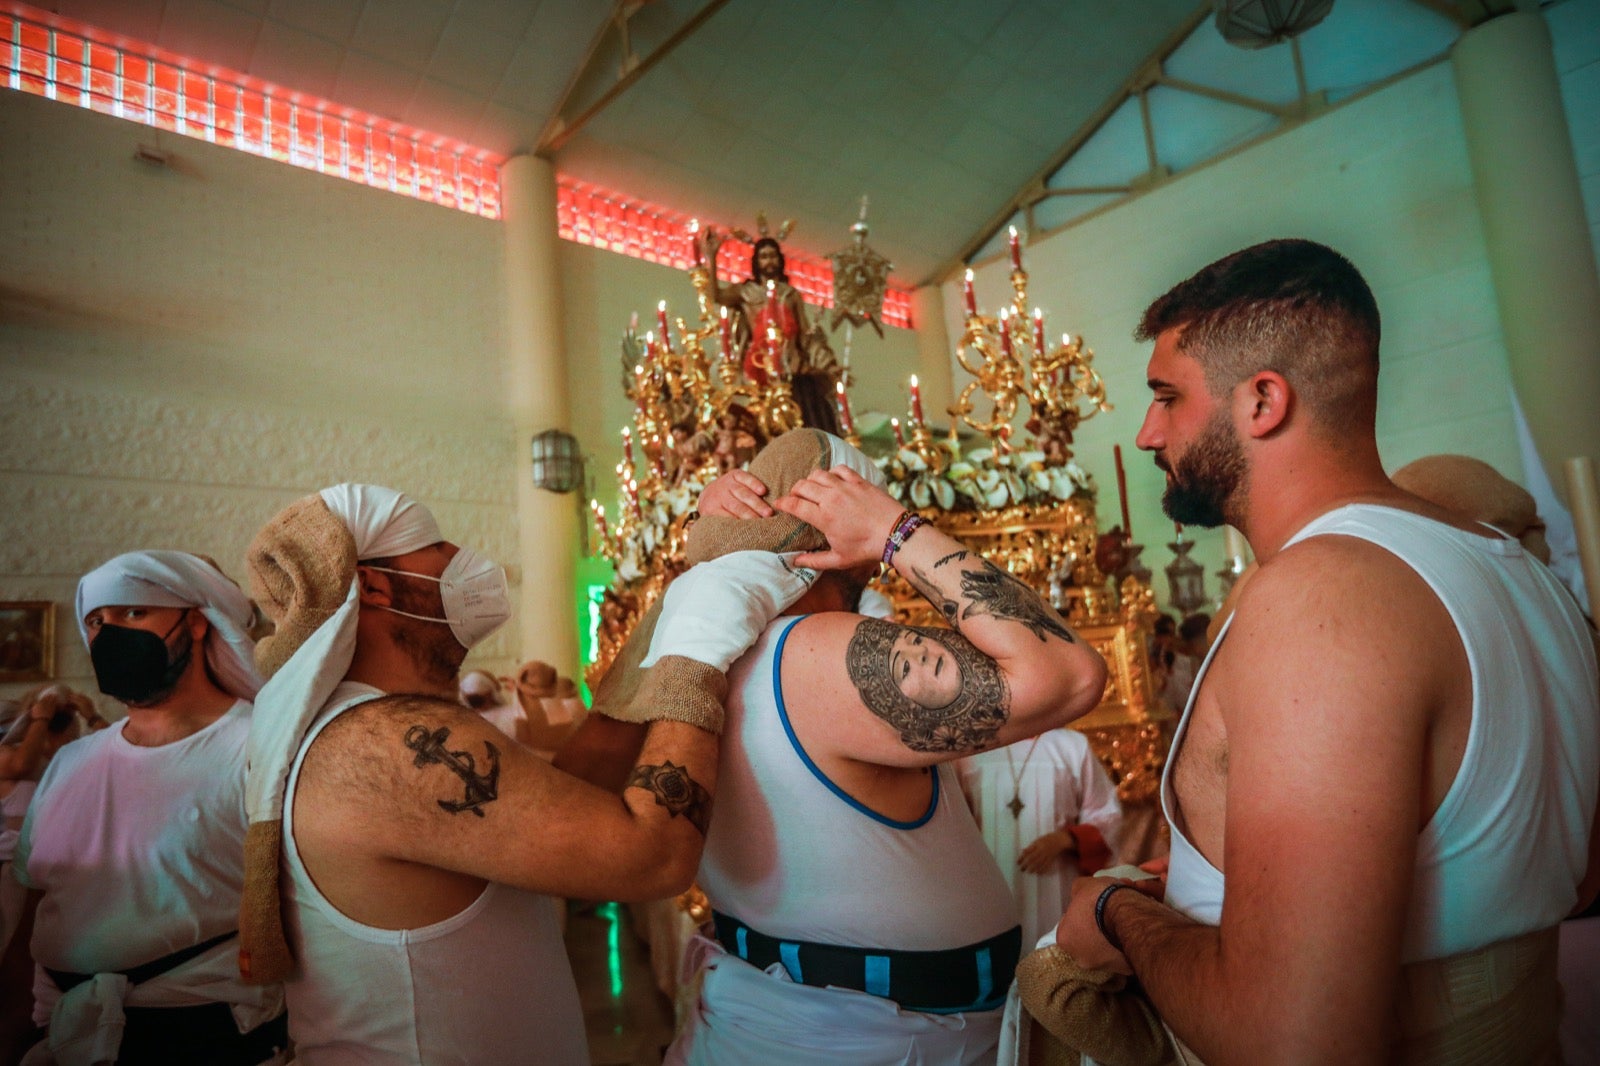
675	790
481	788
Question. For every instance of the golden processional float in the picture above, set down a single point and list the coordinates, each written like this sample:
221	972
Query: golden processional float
1027	506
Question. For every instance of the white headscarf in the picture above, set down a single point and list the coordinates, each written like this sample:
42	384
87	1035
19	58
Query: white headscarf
178	579
383	522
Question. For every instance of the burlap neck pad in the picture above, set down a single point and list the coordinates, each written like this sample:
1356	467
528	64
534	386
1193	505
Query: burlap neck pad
302	571
1092	1012
301	566
780	464
1474	489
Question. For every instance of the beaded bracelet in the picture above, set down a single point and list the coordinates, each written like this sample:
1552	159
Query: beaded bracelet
1100	914
907	524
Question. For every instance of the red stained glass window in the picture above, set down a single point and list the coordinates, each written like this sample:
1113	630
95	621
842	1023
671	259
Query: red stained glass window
245	114
199	101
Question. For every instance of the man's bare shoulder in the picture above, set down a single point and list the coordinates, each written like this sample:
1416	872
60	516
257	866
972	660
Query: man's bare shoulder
1338	573
362	756
1335	620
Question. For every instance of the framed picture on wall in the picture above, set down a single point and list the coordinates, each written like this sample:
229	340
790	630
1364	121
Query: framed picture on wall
27	640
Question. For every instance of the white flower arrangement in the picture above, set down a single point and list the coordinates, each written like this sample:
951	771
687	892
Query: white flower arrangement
985	479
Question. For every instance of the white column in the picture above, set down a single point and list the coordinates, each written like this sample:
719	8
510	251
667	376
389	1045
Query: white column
1535	230
547	521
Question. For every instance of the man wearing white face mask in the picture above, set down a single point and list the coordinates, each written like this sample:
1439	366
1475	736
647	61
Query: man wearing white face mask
419	849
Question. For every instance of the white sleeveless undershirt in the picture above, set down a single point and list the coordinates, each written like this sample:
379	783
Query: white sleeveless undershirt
1505	850
485	987
792	855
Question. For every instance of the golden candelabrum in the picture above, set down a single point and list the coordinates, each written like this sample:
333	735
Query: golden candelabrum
1027	505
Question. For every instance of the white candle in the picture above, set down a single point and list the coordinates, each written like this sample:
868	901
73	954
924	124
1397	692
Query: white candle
1234	546
1585	503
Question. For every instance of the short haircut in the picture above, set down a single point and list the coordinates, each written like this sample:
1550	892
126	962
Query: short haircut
1291	306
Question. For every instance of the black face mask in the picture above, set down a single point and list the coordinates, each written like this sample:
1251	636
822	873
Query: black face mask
135	665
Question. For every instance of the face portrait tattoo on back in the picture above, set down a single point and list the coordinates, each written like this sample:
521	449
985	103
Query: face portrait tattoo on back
937	690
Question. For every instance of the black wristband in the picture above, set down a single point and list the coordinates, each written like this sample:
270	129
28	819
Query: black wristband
1100	915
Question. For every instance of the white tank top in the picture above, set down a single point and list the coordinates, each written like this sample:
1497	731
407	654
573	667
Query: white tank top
792	855
1505	850
488	986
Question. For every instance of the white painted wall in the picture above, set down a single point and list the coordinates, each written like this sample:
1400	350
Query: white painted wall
184	350
1575	32
1385	180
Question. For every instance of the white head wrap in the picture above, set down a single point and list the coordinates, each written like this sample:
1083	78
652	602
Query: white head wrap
479	683
178	579
383	522
843	453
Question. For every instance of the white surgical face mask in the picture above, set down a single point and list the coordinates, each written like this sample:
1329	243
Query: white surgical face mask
476	598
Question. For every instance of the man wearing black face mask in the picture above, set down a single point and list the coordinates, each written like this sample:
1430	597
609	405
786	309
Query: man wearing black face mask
133	847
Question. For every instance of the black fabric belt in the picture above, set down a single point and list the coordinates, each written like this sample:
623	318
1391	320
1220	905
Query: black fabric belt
202	1035
969	978
66	980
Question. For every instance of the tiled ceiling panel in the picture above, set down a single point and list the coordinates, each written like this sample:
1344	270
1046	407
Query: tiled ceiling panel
940	110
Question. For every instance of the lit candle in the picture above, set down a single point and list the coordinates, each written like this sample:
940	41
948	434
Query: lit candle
899	439
661	321
627	439
727	333
633	498
1122	491
774	350
846	422
966	293
600	519
1016	250
1177	528
916	401
1038	330
1066	340
1005	330
694	241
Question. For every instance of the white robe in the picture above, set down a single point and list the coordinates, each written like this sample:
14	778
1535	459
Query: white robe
1062	783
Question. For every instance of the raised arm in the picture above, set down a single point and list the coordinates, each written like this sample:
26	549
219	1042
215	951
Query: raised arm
896	695
728	298
425	781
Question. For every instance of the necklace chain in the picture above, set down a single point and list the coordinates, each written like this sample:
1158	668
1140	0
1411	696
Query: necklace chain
1016	803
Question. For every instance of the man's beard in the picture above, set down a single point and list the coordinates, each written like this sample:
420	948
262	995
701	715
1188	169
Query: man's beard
1206	476
432	647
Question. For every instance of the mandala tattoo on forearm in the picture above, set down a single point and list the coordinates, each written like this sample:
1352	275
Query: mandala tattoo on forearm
992	591
675	790
933	686
481	788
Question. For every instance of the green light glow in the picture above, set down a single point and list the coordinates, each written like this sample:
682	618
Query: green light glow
613	918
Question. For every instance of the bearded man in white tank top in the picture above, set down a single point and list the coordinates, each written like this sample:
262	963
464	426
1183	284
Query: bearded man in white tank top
858	915
1382	793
